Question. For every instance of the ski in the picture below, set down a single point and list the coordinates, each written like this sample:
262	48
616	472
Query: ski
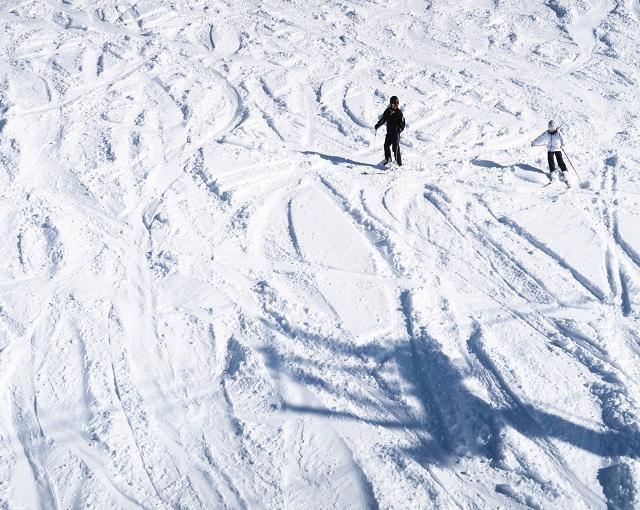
385	167
562	178
568	186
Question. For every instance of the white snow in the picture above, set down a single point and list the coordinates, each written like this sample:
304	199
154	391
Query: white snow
212	297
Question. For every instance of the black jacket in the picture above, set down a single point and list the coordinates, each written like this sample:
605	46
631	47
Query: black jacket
394	120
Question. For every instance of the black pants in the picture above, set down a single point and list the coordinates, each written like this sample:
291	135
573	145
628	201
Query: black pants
552	166
392	141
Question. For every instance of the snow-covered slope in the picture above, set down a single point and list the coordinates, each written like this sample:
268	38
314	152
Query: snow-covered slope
211	296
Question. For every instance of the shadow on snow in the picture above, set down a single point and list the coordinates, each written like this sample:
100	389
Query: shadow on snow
485	163
339	160
452	421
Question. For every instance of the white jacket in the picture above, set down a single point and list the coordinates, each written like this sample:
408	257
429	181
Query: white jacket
554	142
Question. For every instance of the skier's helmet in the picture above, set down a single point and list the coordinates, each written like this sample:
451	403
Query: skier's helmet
552	125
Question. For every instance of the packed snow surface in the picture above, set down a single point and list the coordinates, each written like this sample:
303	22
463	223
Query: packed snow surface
211	295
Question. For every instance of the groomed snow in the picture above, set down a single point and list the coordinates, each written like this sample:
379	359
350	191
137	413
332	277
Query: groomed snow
212	297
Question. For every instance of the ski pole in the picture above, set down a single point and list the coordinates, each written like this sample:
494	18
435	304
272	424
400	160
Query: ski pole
574	168
397	148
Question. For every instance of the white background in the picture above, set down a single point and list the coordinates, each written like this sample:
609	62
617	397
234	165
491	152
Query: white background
212	296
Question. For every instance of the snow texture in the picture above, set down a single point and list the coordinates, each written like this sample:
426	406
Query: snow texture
212	296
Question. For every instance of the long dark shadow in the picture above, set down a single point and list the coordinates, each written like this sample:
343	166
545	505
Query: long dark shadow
529	168
457	422
339	160
453	420
487	163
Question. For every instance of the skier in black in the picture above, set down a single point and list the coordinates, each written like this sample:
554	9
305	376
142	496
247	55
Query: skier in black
395	124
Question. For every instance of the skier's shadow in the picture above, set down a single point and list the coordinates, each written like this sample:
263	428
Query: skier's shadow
339	160
486	163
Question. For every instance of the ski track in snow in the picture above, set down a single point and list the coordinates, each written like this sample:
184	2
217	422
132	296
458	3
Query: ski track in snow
211	296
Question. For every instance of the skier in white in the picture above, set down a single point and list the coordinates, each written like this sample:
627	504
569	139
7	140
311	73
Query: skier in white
552	139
